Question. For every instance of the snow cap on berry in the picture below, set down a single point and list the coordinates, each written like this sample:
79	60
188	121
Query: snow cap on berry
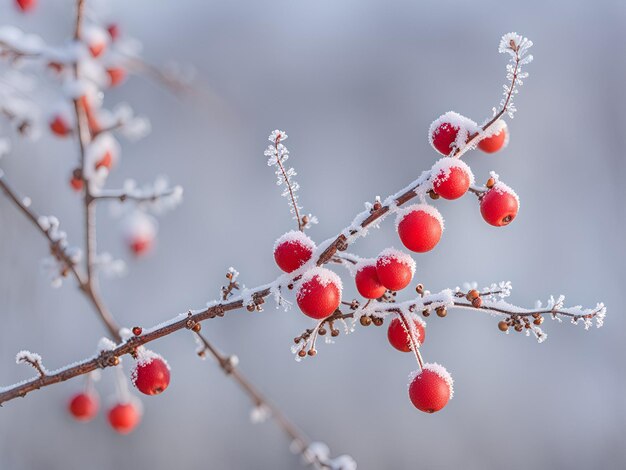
391	253
437	369
295	236
325	277
430	210
502	188
138	224
441	169
495	129
145	357
362	263
464	125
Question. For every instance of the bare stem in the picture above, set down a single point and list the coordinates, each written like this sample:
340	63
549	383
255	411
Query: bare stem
288	183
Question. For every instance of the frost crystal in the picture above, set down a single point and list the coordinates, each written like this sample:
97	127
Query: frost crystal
517	47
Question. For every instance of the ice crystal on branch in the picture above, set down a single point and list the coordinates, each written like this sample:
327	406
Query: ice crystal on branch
277	154
517	47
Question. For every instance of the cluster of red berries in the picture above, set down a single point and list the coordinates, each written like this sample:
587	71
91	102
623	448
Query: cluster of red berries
151	376
452	178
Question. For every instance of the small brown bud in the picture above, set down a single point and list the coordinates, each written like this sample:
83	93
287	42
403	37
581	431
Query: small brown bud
433	194
296	340
441	311
538	321
519	327
419	289
334	333
365	320
426	313
229	275
377	206
114	361
490	183
250	307
477	302
290	286
377	321
302	353
305	219
473	294
503	326
321	331
312	352
196	327
137	330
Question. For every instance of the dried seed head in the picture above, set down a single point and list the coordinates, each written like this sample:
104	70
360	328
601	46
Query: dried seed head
250	307
378	321
229	275
302	353
419	289
334	333
305	219
377	205
538	321
473	294
433	194
312	352
490	183
519	327
296	339
441	311
114	361
321	331
196	327
503	326
477	302
426	313
365	320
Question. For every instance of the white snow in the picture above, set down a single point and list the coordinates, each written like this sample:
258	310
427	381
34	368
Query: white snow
426	208
389	254
323	275
440	171
464	125
296	237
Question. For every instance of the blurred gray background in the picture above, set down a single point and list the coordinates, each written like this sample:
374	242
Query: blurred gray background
355	84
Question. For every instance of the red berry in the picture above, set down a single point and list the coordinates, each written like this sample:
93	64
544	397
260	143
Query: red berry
105	162
400	338
319	293
124	417
26	5
84	406
59	126
293	250
56	66
499	205
451	178
116	75
151	374
114	31
76	184
431	388
96	48
420	227
395	269
496	141
449	131
141	245
367	282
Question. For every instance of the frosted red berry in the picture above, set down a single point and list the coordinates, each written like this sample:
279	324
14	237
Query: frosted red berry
431	389
96	48
395	269
451	178
105	162
116	75
76	184
420	227
367	282
319	293
59	126
499	205
443	137
293	250
400	338
84	406
114	31
141	245
26	5
151	375
496	141
124	417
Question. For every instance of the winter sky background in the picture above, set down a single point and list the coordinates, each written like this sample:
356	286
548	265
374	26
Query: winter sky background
355	84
